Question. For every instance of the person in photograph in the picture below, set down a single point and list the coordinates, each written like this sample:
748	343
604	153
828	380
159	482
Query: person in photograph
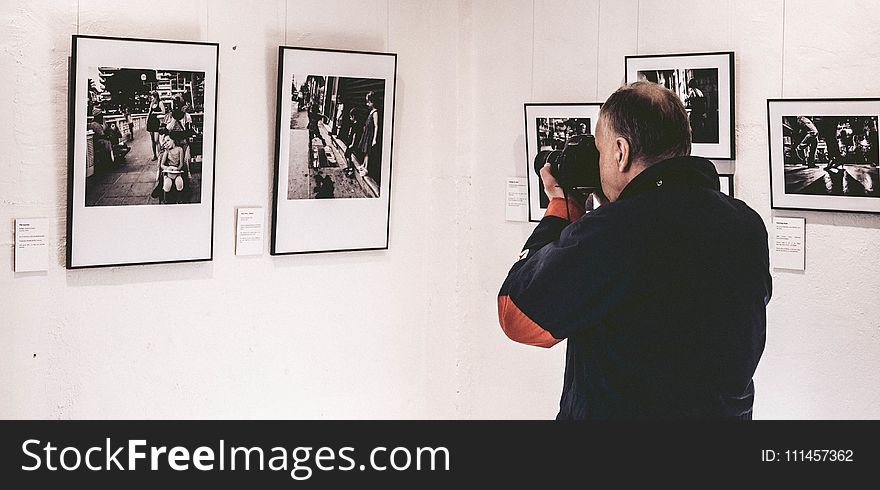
351	141
128	121
314	117
369	141
101	140
179	113
186	100
119	148
846	138
696	102
178	125
869	143
305	97
171	165
806	149
339	121
828	131
113	135
154	111
661	292
813	129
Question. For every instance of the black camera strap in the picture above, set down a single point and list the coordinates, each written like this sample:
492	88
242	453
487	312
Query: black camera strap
567	210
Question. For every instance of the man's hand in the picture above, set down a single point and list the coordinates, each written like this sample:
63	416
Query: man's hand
552	189
551	185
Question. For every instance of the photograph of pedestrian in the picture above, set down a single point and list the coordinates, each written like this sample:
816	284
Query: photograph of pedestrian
825	153
704	83
698	90
549	126
142	116
335	136
333	155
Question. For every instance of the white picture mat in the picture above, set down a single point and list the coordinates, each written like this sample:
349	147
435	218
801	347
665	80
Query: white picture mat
722	149
532	113
315	225
110	235
779	108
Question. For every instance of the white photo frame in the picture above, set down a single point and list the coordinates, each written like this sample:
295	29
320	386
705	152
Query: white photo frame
824	154
712	112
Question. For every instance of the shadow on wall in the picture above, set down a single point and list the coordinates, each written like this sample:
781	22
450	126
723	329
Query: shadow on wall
140	274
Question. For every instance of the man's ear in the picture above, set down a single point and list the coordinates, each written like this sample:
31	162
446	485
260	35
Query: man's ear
622	151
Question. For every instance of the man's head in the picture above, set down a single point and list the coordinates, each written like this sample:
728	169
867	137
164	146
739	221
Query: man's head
640	124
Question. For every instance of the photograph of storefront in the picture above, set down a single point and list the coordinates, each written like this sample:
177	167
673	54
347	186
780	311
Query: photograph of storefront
335	137
139	120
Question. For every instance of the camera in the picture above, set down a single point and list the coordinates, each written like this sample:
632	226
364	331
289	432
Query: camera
576	166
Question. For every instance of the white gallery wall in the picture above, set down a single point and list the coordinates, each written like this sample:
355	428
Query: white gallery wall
410	332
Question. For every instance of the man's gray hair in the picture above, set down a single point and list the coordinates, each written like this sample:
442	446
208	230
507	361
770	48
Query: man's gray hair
653	120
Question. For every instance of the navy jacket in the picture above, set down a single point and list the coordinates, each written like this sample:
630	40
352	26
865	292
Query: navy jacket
661	294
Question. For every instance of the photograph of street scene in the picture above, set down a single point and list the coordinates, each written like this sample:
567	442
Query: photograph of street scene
553	134
144	136
698	90
336	129
831	155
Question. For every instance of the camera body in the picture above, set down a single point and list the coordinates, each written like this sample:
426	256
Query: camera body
576	166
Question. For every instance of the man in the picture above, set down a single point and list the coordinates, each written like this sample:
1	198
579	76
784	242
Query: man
661	291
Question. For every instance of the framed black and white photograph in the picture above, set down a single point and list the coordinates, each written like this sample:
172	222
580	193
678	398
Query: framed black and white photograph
705	84
141	151
725	182
333	150
548	128
824	154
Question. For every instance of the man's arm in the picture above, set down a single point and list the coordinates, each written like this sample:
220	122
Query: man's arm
568	278
517	325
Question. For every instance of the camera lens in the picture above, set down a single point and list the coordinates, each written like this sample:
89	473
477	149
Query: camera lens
552	157
574	167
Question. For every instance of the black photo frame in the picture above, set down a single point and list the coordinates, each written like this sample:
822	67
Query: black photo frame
548	125
705	82
824	154
142	114
725	182
333	152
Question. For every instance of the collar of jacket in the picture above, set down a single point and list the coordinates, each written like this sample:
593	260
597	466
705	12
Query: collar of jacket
679	171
